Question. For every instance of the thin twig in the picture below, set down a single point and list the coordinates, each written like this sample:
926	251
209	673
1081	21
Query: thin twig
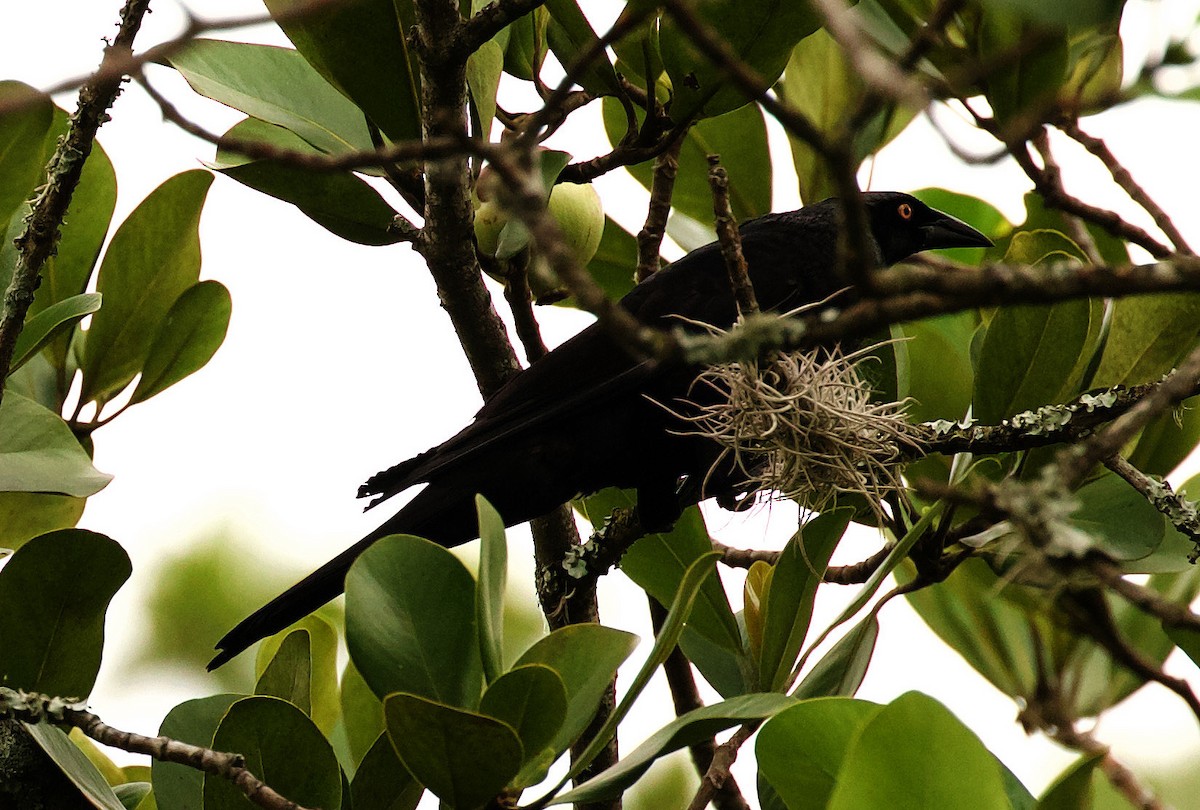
1125	180
1182	512
662	185
718	772
1077	230
730	240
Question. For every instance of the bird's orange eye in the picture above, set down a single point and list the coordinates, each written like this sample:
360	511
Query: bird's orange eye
905	211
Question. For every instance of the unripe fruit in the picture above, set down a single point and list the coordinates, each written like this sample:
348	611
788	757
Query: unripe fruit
577	209
490	219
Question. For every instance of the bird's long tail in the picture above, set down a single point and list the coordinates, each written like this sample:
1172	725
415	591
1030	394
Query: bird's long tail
441	514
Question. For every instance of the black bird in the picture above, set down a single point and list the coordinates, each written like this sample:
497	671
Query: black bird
584	416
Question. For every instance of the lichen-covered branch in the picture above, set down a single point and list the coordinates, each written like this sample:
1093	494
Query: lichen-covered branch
38	241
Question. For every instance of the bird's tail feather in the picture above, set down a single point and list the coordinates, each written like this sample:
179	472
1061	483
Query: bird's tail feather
441	514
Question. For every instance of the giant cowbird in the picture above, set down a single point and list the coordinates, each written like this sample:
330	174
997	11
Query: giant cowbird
588	414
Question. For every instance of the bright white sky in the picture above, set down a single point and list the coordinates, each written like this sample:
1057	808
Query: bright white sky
339	362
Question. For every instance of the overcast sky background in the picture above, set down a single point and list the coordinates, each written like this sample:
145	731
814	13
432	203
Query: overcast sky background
339	362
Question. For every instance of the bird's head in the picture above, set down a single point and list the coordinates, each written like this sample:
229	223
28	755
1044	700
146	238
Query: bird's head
903	225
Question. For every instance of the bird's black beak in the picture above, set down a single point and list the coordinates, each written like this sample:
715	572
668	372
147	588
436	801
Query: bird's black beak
944	231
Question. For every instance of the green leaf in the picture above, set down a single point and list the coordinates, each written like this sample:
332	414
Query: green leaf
761	33
526	49
288	674
1024	79
972	612
570	35
322	652
841	671
38	452
489	587
586	657
791	595
1148	336
193	722
1072	14
1072	790
739	137
26	515
359	47
1185	639
53	595
281	745
664	643
23	128
132	794
188	337
800	750
43	327
532	700
825	86
698	724
1031	356
658	563
340	202
382	782
914	753
484	67
940	375
275	85
153	257
411	621
75	765
462	757
1124	524
362	713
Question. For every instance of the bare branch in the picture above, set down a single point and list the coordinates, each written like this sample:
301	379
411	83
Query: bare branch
731	241
649	238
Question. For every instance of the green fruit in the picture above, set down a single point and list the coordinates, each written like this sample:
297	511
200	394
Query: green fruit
577	209
490	219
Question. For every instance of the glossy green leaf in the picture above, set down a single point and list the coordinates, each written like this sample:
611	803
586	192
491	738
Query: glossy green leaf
133	794
484	67
188	337
275	85
570	35
841	671
1026	82
43	327
38	452
940	376
489	587
1185	639
359	47
698	724
411	621
914	753
761	33
23	127
666	640
1149	335
1123	523
362	713
282	746
658	562
75	765
153	257
382	782
586	657
532	700
462	757
26	515
1168	440
54	592
526	49
340	202
1072	790
1031	356
739	137
1097	71
800	750
177	787
288	673
825	86
972	613
792	592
